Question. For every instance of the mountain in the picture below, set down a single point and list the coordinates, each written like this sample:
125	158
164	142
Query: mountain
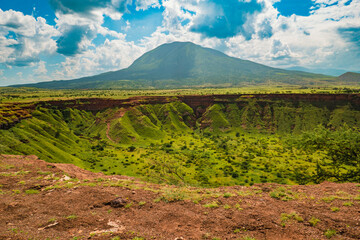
185	64
350	77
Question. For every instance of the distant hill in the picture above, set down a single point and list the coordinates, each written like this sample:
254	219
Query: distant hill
185	64
350	77
326	71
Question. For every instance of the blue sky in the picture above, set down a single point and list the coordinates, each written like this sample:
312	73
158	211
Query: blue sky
43	40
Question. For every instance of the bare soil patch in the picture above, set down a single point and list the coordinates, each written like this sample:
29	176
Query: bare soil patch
40	200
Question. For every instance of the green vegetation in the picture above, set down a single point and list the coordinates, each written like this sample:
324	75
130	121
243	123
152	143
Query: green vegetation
240	143
31	191
282	193
335	209
71	217
314	221
286	217
212	205
348	204
330	233
142	203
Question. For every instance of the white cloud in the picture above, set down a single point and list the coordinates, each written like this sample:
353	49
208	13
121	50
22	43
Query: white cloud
41	70
31	38
146	4
310	41
111	55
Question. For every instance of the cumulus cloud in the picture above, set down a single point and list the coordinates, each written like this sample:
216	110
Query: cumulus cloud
41	70
23	38
327	37
266	30
79	21
352	35
111	55
69	43
87	6
145	4
229	18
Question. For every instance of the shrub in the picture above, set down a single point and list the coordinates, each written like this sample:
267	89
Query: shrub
285	217
313	221
227	195
335	209
31	191
282	193
330	233
173	195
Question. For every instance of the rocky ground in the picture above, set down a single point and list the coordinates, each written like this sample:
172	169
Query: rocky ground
40	200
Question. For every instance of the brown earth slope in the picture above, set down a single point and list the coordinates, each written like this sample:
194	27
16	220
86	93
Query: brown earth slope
40	200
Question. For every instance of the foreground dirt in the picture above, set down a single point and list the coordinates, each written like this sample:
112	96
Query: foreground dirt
40	200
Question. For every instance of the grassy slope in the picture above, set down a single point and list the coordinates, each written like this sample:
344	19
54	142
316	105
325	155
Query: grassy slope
230	144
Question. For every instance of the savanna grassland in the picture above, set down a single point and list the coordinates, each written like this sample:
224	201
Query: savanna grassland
241	141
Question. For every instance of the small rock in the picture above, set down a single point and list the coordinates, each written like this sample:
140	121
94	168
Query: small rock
116	203
179	238
64	178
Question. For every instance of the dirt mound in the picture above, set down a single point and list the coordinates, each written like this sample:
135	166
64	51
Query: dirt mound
41	200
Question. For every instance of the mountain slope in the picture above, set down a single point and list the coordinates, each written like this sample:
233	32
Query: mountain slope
350	77
184	64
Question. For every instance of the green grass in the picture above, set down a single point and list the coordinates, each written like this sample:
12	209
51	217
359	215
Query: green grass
314	221
226	206
211	205
71	217
227	195
282	193
330	233
286	217
335	209
32	191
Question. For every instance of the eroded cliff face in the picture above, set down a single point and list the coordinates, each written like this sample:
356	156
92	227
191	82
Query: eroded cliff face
128	120
10	114
204	101
270	112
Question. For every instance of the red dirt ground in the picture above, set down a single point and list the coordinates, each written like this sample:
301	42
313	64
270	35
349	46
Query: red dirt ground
40	200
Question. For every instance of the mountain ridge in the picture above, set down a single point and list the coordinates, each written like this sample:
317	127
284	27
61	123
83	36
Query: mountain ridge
185	64
350	77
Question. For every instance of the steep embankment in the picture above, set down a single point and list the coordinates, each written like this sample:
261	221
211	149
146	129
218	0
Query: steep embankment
40	200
